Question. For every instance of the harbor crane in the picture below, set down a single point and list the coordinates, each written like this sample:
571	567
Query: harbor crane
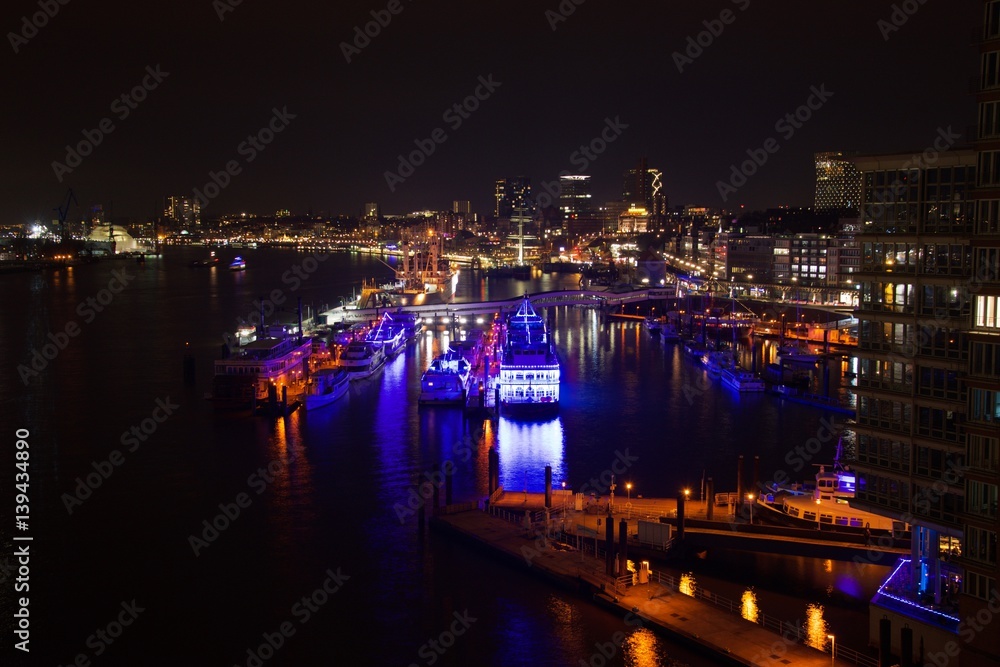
63	211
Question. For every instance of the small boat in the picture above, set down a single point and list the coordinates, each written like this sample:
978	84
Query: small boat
362	359
669	333
653	326
717	361
796	354
238	264
742	380
446	380
325	387
212	260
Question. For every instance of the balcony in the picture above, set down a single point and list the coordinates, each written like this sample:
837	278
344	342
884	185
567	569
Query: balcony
899	593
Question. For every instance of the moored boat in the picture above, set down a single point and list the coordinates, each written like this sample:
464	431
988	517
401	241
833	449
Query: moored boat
326	386
446	380
742	380
387	334
261	369
529	368
361	359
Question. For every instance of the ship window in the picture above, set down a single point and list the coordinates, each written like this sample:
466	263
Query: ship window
809	516
856	523
841	521
826	518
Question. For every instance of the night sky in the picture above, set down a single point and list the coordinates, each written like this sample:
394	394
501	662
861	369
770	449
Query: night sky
557	87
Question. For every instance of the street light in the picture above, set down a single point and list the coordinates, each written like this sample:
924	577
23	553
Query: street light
750	497
833	650
628	487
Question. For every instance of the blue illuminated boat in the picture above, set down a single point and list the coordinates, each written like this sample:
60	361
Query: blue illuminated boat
446	380
387	334
529	367
238	264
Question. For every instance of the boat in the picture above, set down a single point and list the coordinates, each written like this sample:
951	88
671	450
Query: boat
716	361
742	380
653	326
471	347
362	359
446	380
796	354
387	334
421	278
529	368
211	261
826	504
238	264
325	386
261	370
669	333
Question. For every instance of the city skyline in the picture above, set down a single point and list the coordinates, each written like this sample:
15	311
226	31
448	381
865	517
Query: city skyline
307	112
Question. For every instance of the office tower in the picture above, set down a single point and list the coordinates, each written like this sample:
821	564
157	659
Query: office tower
644	187
838	183
461	206
574	194
513	194
371	211
182	212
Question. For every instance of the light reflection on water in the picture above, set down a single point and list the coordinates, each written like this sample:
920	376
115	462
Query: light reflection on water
748	606
817	628
525	449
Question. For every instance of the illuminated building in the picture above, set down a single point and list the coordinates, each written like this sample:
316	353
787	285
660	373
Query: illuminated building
513	194
838	183
574	194
183	212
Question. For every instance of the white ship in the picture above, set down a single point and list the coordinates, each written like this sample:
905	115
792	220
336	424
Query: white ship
529	368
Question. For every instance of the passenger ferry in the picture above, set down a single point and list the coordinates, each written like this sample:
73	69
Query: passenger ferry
362	359
529	368
249	373
446	380
826	504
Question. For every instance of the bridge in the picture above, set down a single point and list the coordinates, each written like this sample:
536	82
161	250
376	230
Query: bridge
607	299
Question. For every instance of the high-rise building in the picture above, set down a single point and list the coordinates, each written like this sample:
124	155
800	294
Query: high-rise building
371	211
928	399
644	186
574	194
514	194
461	206
838	183
183	212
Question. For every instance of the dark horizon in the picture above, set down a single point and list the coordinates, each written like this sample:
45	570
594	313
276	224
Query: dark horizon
546	85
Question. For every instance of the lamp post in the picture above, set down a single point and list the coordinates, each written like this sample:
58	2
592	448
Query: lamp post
611	504
628	487
833	650
750	498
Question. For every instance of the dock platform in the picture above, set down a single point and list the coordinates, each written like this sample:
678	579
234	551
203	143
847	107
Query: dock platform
657	604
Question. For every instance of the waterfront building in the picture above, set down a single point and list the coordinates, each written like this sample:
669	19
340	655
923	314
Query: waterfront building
928	392
748	257
838	183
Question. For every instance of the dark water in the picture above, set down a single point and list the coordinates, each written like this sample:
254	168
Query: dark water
329	509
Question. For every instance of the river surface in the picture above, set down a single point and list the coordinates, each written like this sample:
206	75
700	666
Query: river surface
319	494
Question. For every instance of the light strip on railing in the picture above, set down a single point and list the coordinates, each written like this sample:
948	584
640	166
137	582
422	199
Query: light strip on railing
880	593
